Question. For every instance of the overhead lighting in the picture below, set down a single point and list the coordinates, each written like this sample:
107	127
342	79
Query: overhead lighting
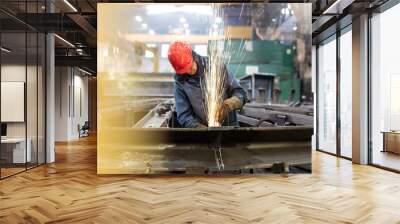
186	25
65	41
151	32
195	9
338	6
273	20
295	28
70	5
182	19
5	50
84	71
138	19
144	25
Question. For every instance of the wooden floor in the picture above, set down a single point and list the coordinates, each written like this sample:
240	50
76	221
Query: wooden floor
387	159
70	191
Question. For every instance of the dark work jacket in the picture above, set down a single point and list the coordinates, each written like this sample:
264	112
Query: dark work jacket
189	99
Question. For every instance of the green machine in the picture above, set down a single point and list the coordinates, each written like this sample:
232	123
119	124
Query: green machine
248	57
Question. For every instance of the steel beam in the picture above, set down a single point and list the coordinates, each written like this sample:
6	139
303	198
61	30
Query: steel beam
159	150
261	113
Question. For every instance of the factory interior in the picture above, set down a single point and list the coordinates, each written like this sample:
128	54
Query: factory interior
85	82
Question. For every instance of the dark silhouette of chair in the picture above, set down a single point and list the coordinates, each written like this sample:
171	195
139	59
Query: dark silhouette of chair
84	130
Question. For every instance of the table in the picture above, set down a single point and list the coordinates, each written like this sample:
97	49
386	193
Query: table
391	141
13	150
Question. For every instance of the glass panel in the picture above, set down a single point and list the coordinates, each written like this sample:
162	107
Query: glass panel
385	86
346	94
31	100
31	86
13	87
327	97
41	98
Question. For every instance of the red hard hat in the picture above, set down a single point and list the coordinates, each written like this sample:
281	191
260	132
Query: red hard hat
180	57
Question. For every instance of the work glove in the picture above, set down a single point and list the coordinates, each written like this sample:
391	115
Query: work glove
230	104
200	125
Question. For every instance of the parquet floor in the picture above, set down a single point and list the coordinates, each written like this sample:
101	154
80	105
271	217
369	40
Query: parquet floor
70	191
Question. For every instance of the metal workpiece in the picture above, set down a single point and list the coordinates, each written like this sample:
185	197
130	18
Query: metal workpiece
158	116
208	150
253	122
277	117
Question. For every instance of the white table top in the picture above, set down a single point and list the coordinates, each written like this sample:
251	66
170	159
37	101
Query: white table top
13	140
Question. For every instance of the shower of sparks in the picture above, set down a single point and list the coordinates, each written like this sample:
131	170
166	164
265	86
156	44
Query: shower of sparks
219	53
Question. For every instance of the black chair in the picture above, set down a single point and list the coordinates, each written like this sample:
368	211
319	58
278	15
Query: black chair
84	130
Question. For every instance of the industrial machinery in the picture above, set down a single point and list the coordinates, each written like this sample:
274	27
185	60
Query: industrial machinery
270	137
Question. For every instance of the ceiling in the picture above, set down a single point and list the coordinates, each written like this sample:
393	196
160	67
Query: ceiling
76	21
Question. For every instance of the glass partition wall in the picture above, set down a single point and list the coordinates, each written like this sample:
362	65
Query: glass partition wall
334	94
346	93
22	88
385	89
327	95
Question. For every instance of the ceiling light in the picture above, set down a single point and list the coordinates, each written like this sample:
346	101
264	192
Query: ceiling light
295	28
151	32
186	25
5	50
337	7
273	20
144	25
70	5
194	9
84	71
138	19
65	41
182	19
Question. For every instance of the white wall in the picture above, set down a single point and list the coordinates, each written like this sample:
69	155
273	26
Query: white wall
12	73
71	93
33	126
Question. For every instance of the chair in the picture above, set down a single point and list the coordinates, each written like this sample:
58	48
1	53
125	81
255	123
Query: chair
84	130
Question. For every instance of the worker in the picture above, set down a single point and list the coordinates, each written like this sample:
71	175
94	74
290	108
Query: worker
189	99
